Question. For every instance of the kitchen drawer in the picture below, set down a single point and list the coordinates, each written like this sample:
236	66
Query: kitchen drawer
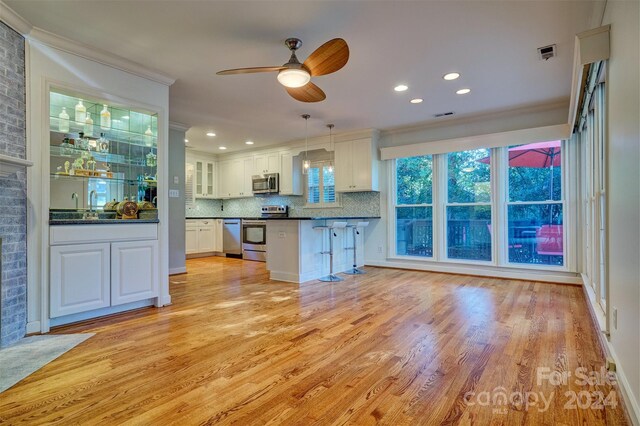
84	234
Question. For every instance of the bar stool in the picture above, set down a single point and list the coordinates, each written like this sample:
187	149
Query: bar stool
335	225
355	270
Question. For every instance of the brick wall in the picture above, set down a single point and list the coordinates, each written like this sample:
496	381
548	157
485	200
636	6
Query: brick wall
13	189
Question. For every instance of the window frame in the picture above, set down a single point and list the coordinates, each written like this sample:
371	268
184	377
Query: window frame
321	204
507	203
394	206
446	204
499	217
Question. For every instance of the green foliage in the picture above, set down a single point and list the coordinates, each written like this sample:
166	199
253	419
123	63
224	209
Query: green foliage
414	180
469	179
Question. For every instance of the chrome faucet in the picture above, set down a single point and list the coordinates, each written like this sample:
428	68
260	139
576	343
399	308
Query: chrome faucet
74	196
91	194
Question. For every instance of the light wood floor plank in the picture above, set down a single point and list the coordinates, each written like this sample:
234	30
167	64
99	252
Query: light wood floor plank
389	347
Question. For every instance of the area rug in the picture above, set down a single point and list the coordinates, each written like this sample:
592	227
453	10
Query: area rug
32	353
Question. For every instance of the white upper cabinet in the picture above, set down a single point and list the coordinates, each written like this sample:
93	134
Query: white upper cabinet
204	176
356	166
290	174
267	163
246	177
235	178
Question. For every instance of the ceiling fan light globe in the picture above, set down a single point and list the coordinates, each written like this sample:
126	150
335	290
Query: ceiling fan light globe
293	77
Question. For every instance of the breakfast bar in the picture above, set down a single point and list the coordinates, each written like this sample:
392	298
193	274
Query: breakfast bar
296	247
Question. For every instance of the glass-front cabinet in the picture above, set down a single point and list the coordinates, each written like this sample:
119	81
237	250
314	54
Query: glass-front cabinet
101	154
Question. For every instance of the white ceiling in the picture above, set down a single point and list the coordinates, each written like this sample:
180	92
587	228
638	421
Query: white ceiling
491	43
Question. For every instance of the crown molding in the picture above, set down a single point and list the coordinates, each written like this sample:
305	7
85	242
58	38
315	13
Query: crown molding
35	34
97	55
173	125
15	21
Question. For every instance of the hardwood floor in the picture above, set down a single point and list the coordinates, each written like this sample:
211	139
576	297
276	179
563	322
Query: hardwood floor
390	347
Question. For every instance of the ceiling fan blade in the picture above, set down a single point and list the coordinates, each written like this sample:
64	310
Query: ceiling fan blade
307	93
248	70
328	58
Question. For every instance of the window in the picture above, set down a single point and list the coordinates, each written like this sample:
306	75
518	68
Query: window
414	210
321	185
468	206
534	204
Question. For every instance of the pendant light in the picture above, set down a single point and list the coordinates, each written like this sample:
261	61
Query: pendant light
306	164
331	151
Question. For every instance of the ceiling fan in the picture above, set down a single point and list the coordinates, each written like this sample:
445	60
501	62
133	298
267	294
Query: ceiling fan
296	76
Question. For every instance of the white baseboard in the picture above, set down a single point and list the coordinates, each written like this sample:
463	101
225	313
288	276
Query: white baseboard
175	271
33	327
633	410
631	405
481	270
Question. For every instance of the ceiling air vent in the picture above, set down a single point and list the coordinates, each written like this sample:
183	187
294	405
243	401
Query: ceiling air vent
547	52
444	114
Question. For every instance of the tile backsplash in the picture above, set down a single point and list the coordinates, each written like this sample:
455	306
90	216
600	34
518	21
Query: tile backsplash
351	204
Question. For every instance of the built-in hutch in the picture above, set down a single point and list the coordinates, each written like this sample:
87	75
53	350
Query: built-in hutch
103	219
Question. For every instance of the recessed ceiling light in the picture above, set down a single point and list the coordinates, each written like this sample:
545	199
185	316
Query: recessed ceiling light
416	101
451	76
463	91
400	88
211	134
249	142
222	147
186	141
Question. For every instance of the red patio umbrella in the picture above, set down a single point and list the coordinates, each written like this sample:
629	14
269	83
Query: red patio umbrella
539	154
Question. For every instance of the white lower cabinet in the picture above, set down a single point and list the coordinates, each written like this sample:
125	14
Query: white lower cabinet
203	236
191	239
80	278
134	271
101	266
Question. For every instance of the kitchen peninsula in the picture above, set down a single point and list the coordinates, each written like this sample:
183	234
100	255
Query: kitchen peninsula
297	247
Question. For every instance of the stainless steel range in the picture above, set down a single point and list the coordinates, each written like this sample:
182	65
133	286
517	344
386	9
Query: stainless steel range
254	240
274	211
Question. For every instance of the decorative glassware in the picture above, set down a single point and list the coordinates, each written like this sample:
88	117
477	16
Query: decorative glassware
81	112
63	122
105	118
148	137
88	125
152	159
103	143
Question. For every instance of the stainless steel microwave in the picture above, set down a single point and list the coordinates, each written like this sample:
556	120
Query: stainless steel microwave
266	184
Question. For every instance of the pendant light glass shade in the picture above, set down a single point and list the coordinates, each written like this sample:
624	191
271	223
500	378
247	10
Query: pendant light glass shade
306	164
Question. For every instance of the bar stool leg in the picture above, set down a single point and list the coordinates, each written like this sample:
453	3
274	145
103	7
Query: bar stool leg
355	270
331	277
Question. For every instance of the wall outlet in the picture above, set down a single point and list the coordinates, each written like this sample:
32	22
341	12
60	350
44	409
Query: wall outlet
176	180
174	193
282	235
379	249
615	317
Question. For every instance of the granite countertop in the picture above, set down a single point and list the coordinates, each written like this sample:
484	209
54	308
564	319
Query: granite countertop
289	218
53	222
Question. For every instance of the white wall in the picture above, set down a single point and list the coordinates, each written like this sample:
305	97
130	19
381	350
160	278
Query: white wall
48	65
176	205
623	164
